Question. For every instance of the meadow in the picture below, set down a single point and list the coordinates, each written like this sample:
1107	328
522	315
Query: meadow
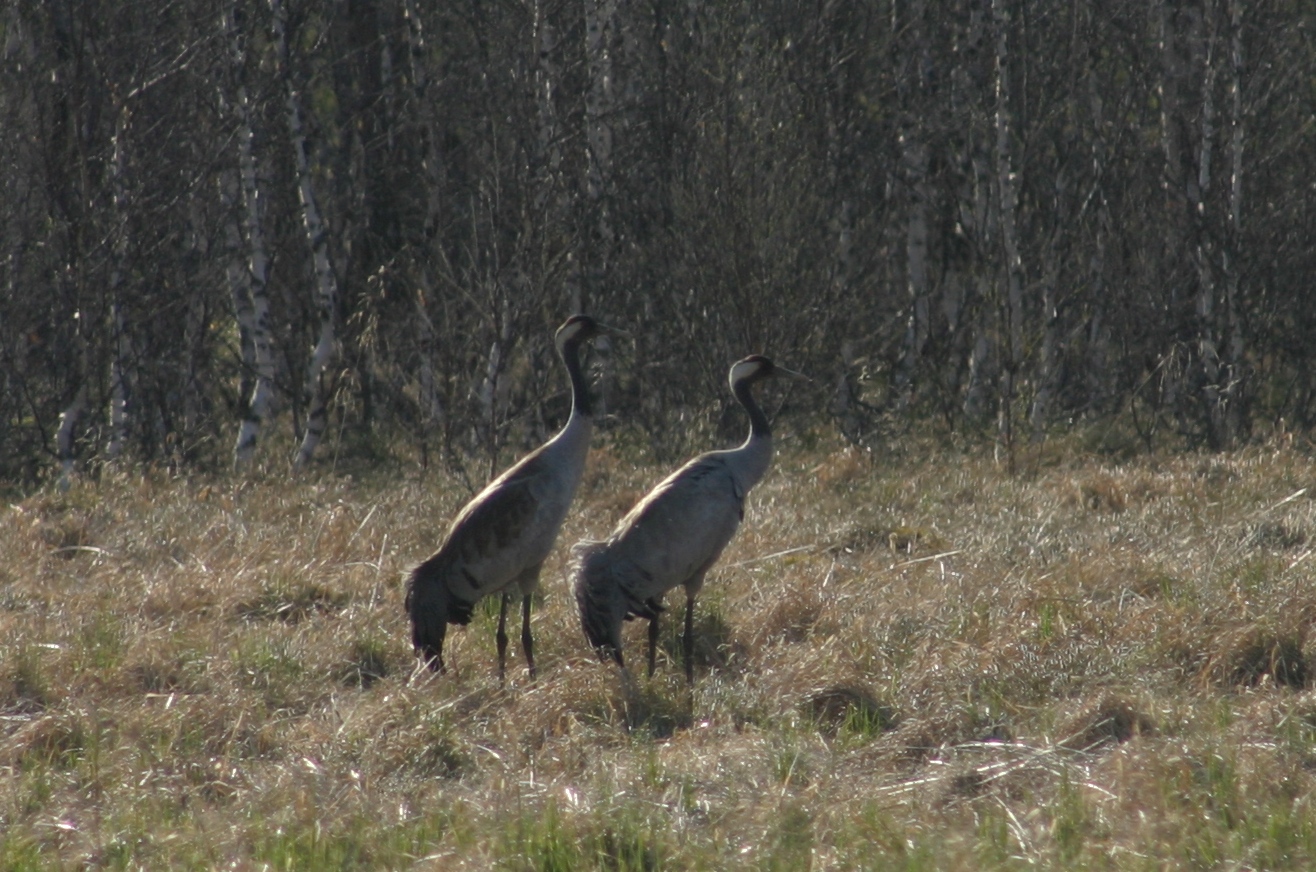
907	659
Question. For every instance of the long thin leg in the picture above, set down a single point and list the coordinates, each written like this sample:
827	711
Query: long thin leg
501	639
688	643
527	643
653	643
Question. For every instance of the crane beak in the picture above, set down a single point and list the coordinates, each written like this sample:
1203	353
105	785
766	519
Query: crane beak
790	373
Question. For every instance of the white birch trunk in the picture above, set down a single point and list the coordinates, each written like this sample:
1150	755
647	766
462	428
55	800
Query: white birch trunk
255	283
317	237
248	271
64	436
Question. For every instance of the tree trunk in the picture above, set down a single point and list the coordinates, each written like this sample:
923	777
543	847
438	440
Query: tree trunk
1007	205
1097	356
979	219
915	159
600	104
1214	371
64	436
1235	344
248	275
429	401
1175	187
1049	350
914	171
121	363
317	237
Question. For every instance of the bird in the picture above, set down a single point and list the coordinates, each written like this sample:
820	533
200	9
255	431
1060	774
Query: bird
498	542
675	534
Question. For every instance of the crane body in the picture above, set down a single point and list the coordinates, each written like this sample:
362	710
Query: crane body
674	535
498	542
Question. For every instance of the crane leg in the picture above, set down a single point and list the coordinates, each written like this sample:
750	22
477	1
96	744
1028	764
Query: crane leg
653	643
687	644
501	639
527	643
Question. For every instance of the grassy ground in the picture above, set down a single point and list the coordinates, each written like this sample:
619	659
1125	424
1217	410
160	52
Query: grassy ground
903	664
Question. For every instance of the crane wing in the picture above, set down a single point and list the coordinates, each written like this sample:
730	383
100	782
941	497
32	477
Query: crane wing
679	529
507	528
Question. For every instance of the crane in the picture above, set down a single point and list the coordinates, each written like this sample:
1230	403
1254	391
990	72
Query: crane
675	533
498	542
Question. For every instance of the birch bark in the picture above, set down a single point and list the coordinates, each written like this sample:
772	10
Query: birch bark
317	238
65	434
248	273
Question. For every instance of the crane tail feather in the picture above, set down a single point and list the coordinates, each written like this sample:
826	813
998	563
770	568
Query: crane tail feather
597	586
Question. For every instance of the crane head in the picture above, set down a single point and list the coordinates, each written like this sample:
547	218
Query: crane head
581	328
755	368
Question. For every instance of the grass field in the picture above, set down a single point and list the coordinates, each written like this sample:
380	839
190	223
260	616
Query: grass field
912	662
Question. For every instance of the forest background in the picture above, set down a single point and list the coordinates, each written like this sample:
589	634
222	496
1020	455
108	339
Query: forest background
362	220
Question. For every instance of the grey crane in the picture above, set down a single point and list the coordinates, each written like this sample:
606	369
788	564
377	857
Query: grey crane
498	542
675	533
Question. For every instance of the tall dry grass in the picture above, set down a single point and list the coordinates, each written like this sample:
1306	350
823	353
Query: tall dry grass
903	663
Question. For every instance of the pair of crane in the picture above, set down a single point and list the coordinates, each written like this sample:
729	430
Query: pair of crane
498	542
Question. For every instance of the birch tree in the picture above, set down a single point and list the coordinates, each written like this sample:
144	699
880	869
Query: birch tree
317	239
248	272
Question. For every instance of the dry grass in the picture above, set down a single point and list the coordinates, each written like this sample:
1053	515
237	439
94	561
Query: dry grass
911	665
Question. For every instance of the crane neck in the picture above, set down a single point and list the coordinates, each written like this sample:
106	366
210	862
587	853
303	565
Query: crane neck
580	402
759	428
